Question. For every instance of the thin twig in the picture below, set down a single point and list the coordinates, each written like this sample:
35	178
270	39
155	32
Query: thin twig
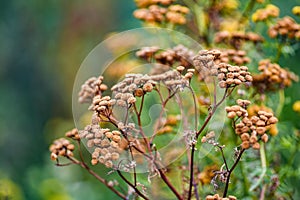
99	178
133	186
169	184
224	159
230	171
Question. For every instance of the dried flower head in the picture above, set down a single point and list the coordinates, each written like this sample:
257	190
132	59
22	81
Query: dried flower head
230	76
92	87
61	147
73	134
153	13
272	77
237	39
285	27
251	129
106	144
168	57
233	56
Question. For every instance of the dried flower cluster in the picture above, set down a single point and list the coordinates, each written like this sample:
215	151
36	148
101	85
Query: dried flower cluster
174	14
93	86
253	111
179	54
236	39
61	147
204	63
233	56
102	105
105	143
272	77
73	134
285	27
209	63
217	197
146	3
230	76
250	129
136	85
264	14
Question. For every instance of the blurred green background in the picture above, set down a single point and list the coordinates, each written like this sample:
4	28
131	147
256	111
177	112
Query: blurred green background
42	46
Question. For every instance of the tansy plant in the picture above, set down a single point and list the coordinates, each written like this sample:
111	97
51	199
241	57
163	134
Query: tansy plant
235	68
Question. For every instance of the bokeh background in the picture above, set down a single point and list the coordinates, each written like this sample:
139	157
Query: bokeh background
42	44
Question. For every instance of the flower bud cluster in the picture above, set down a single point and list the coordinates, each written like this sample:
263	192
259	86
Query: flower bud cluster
254	109
93	86
250	129
217	197
205	60
230	76
237	57
104	142
175	14
73	134
265	13
102	105
147	53
153	13
178	54
272	76
146	3
236	39
184	55
136	85
286	27
61	147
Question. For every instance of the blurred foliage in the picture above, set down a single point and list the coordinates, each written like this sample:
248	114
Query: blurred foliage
42	46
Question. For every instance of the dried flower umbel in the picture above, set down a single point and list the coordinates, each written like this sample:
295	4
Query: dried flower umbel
272	77
285	27
93	86
104	142
250	129
178	55
233	56
158	13
237	39
61	147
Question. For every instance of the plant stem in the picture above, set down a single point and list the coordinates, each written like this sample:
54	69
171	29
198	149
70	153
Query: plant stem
191	172
279	51
230	171
281	102
99	178
248	9
133	186
224	159
166	180
211	113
